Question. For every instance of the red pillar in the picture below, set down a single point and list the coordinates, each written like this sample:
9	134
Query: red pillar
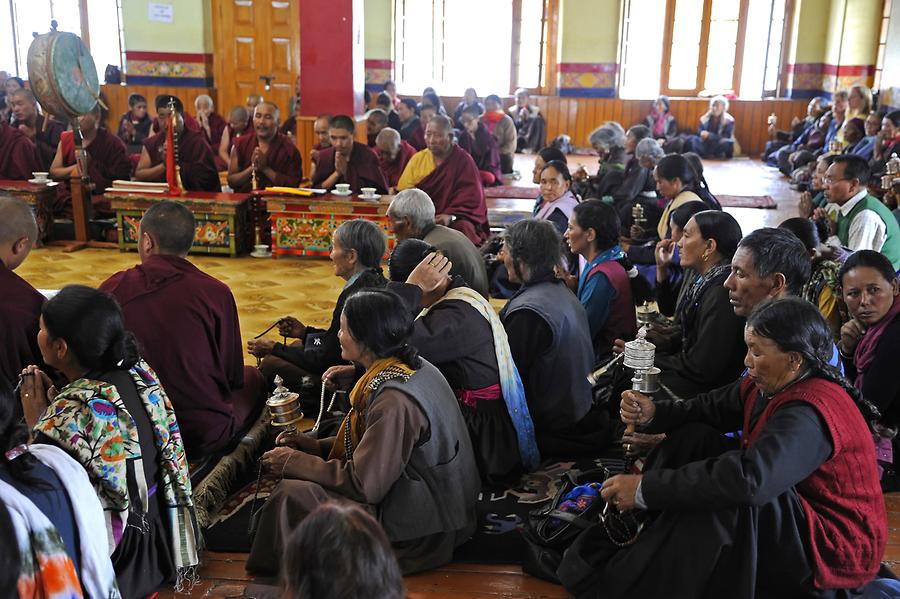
332	72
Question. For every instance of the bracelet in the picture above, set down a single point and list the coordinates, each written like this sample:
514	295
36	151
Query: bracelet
285	465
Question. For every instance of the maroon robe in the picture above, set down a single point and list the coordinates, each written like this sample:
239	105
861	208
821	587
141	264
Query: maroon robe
107	161
46	141
483	148
393	170
455	188
283	157
417	139
362	169
18	155
20	312
198	167
186	323
217	127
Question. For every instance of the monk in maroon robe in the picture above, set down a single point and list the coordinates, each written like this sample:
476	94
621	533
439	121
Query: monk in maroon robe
20	309
481	145
275	158
27	120
107	160
417	140
198	167
211	123
449	176
186	323
393	155
238	125
320	127
18	156
347	161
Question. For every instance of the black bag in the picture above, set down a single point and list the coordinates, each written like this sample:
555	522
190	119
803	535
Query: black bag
544	547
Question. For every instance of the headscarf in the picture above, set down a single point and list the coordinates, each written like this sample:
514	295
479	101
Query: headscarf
868	345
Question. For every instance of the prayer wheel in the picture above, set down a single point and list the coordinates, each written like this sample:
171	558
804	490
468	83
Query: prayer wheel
62	74
284	406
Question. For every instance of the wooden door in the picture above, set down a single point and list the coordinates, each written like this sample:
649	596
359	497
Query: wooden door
254	38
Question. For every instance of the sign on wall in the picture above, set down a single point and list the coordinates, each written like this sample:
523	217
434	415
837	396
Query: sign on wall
160	12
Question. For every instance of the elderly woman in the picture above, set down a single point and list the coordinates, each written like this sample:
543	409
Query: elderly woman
550	339
870	341
639	187
706	353
501	126
609	142
114	418
715	135
663	126
531	130
402	451
793	511
604	286
357	247
459	332
557	200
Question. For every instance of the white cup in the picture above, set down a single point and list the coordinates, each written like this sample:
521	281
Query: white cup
41	176
342	188
367	192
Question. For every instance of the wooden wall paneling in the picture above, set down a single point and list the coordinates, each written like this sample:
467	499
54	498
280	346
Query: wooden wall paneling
306	139
117	99
572	111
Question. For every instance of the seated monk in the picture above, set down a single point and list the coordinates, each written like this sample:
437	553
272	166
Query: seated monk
347	161
417	139
375	122
28	121
134	126
411	215
187	324
403	450
252	101
320	127
106	158
198	166
393	156
449	176
238	125
289	126
212	125
271	153
481	145
20	309
18	155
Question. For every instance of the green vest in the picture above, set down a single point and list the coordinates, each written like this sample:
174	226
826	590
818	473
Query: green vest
891	247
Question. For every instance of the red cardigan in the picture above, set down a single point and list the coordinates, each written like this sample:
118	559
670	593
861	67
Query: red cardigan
842	499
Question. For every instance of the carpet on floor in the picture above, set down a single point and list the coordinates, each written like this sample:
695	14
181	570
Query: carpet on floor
731	201
501	513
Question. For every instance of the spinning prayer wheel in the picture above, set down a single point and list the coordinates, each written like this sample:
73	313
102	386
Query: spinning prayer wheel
891	172
639	355
62	74
284	406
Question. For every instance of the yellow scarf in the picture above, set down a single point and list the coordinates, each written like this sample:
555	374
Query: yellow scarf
354	424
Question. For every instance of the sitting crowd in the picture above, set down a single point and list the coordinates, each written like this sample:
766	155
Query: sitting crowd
763	455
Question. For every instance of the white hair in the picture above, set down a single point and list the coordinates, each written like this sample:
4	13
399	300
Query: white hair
414	204
609	135
649	148
203	97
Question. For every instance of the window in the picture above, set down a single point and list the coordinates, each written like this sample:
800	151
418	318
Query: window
713	46
882	43
25	18
435	45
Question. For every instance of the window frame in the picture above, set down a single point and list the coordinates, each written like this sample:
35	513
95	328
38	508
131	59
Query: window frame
548	67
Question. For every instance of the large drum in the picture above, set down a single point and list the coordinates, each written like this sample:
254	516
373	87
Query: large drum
62	74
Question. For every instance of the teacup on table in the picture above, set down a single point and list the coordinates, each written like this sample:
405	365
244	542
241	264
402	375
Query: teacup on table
342	188
367	192
42	177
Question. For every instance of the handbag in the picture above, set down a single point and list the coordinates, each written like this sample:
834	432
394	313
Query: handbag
566	540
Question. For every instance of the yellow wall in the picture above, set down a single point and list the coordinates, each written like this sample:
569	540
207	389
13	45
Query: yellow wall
811	20
190	30
589	30
378	32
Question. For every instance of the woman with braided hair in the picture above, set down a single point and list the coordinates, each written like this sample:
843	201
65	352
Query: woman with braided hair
793	510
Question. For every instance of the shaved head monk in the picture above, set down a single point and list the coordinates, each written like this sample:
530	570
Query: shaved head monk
375	122
107	160
323	140
28	121
417	139
187	324
271	153
347	161
238	125
18	154
198	166
449	176
252	101
393	155
20	310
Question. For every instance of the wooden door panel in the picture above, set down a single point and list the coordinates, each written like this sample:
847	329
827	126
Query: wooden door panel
244	13
245	55
281	15
281	57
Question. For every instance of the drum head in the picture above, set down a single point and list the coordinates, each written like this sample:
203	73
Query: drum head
74	73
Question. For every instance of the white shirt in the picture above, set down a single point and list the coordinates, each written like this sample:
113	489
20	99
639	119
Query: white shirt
867	229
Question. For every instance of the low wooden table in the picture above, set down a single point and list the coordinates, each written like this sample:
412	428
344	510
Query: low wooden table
303	226
40	197
222	219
